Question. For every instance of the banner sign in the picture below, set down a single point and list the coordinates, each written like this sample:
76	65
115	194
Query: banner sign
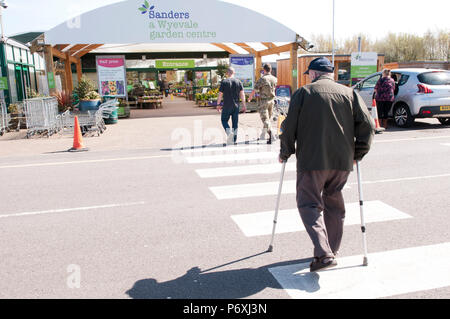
175	21
283	91
244	65
363	65
3	83
175	64
112	78
51	80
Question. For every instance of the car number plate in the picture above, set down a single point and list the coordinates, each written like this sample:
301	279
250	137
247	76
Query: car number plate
445	108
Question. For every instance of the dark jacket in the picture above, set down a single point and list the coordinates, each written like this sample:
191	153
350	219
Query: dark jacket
330	124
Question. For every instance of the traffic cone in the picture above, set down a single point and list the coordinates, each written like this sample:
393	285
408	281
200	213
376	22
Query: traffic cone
378	128
77	138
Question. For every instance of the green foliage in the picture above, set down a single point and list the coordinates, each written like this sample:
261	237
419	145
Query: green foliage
85	88
222	70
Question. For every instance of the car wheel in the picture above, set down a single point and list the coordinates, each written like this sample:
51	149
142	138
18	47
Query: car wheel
444	120
402	116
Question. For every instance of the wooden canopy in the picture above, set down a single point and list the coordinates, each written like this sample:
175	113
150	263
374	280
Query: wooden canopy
72	54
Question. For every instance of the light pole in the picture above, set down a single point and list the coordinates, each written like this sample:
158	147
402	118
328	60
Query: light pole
3	5
333	36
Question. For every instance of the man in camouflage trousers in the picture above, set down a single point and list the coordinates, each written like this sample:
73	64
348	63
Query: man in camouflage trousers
266	86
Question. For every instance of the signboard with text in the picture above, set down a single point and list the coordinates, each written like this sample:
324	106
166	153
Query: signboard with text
244	65
112	78
363	65
175	64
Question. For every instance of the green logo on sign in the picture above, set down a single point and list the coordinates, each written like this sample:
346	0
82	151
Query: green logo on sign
51	80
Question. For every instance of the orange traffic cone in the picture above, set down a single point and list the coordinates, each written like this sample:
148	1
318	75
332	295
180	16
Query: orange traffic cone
77	138
378	128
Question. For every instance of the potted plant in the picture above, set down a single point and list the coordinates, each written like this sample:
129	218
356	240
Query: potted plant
13	110
89	99
65	101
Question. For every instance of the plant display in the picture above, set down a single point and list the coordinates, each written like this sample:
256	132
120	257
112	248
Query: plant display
85	90
65	101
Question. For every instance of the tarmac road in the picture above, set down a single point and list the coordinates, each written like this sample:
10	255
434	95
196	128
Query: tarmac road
130	221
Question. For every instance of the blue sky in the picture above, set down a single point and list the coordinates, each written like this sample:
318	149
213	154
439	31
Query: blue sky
306	17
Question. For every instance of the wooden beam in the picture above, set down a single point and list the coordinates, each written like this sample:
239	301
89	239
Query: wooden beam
225	47
276	50
68	71
76	48
258	63
50	69
62	55
294	66
61	47
86	50
269	44
248	48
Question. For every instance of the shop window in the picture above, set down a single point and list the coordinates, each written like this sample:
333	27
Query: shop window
17	54
12	83
30	58
24	54
9	53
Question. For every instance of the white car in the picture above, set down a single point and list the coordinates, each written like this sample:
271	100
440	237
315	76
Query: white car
421	93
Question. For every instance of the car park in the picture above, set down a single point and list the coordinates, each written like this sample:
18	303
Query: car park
420	93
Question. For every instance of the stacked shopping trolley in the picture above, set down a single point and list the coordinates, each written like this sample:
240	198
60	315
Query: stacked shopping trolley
42	116
4	118
91	122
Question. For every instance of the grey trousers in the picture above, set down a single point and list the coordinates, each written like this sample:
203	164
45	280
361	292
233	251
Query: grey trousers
317	192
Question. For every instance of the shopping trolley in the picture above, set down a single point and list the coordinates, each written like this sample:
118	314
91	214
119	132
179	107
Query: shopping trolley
4	118
42	116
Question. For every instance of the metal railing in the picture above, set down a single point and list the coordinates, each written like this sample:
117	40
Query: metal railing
4	118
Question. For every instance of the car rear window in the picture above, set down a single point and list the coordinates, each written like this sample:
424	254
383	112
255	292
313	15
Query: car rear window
435	78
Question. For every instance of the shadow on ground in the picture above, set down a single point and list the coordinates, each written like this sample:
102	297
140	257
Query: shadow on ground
207	284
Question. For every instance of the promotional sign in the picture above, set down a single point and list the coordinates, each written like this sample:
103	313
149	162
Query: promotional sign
283	91
363	65
51	80
111	76
3	83
175	64
244	65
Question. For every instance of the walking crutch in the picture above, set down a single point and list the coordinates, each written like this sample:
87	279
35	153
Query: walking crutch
361	208
280	188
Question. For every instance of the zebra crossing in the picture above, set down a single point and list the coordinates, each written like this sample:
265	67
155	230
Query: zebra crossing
348	280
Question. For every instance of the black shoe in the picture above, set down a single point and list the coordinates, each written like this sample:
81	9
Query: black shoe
269	141
322	263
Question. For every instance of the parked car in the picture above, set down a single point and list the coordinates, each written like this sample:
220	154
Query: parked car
421	93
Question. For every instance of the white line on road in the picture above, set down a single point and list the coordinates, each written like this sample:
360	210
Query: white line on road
260	224
404	179
233	158
389	273
411	139
445	144
253	190
227	149
85	161
244	170
66	210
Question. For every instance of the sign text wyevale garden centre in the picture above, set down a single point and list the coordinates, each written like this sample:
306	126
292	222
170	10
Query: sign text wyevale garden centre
173	25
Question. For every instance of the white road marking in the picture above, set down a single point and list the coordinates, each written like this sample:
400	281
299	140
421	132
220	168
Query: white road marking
445	144
245	170
251	158
228	149
66	210
85	161
411	139
260	224
254	190
389	273
404	179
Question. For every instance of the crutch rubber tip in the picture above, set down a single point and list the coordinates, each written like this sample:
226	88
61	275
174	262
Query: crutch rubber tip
365	262
270	249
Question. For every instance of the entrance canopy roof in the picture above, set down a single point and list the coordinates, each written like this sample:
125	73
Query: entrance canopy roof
175	21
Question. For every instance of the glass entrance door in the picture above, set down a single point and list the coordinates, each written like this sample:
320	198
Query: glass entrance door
23	83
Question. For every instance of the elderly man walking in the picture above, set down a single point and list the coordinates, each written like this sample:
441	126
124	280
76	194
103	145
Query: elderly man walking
328	127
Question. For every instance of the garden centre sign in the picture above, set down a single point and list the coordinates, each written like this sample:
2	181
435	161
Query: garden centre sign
363	65
176	21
